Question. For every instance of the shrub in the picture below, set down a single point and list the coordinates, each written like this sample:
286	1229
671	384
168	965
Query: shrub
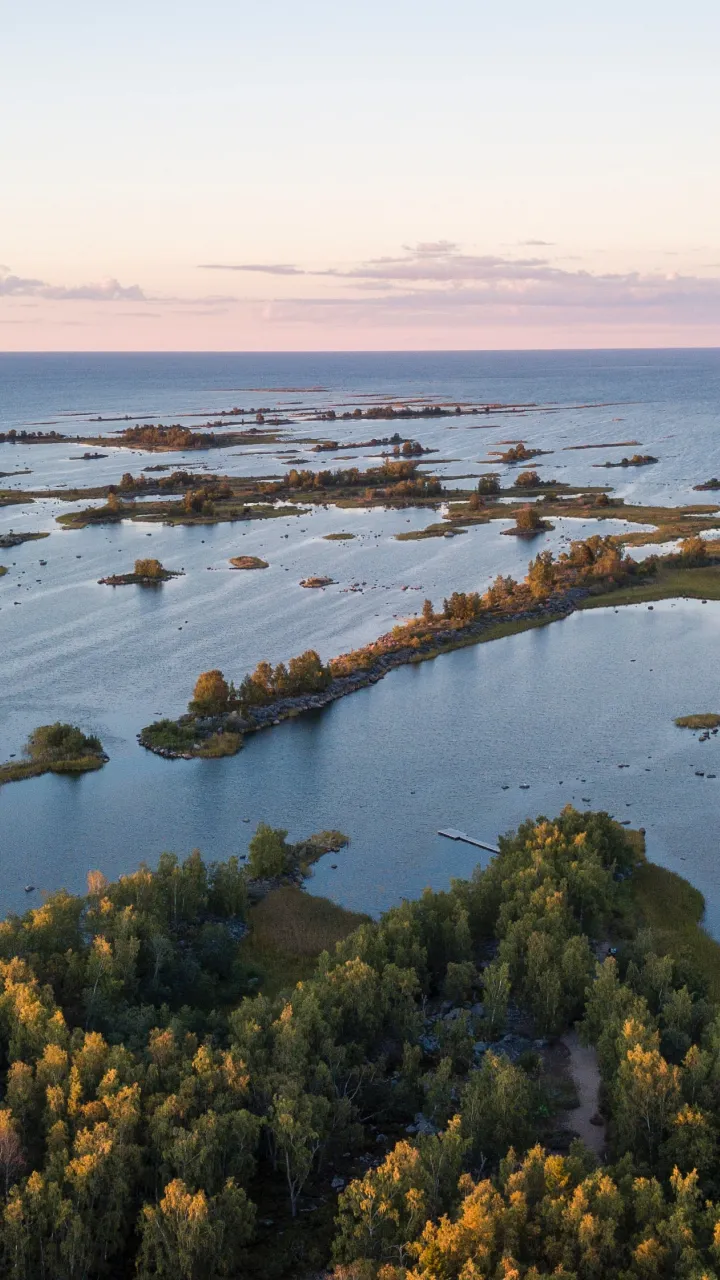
60	742
528	519
149	569
269	854
694	550
460	979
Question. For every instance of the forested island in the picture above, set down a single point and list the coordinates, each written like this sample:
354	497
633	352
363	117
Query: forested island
191	1090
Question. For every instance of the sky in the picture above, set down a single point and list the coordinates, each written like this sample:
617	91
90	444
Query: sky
384	175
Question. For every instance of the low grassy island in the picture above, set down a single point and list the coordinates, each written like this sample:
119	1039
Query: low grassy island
637	460
528	524
147	573
248	562
3	570
317	582
338	537
55	748
705	720
709	484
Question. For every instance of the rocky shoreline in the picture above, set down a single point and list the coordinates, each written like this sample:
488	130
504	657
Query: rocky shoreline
555	607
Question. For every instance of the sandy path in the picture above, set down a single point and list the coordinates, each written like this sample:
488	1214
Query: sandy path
584	1071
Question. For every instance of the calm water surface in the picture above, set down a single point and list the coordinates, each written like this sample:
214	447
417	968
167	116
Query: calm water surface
559	709
427	747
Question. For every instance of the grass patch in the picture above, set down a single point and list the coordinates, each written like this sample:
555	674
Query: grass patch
2	570
220	744
673	909
13	497
16	771
338	537
288	931
706	720
168	734
496	632
173	735
671	582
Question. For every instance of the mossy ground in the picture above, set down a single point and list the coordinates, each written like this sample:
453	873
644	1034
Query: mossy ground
673	909
288	930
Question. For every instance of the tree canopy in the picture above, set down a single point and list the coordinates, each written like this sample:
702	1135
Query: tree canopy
161	1116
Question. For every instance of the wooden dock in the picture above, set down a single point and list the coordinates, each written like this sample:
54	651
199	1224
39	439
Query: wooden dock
451	834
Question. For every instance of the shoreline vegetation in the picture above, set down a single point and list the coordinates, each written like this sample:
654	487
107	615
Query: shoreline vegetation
179	439
591	574
195	1085
55	748
637	460
209	499
147	573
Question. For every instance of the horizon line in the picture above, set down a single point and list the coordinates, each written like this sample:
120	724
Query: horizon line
347	351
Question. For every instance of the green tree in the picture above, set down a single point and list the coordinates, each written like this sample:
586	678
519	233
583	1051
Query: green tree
496	1108
496	994
188	1236
269	853
297	1125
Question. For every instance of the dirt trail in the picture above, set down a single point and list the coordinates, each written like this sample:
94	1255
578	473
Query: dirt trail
585	1072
